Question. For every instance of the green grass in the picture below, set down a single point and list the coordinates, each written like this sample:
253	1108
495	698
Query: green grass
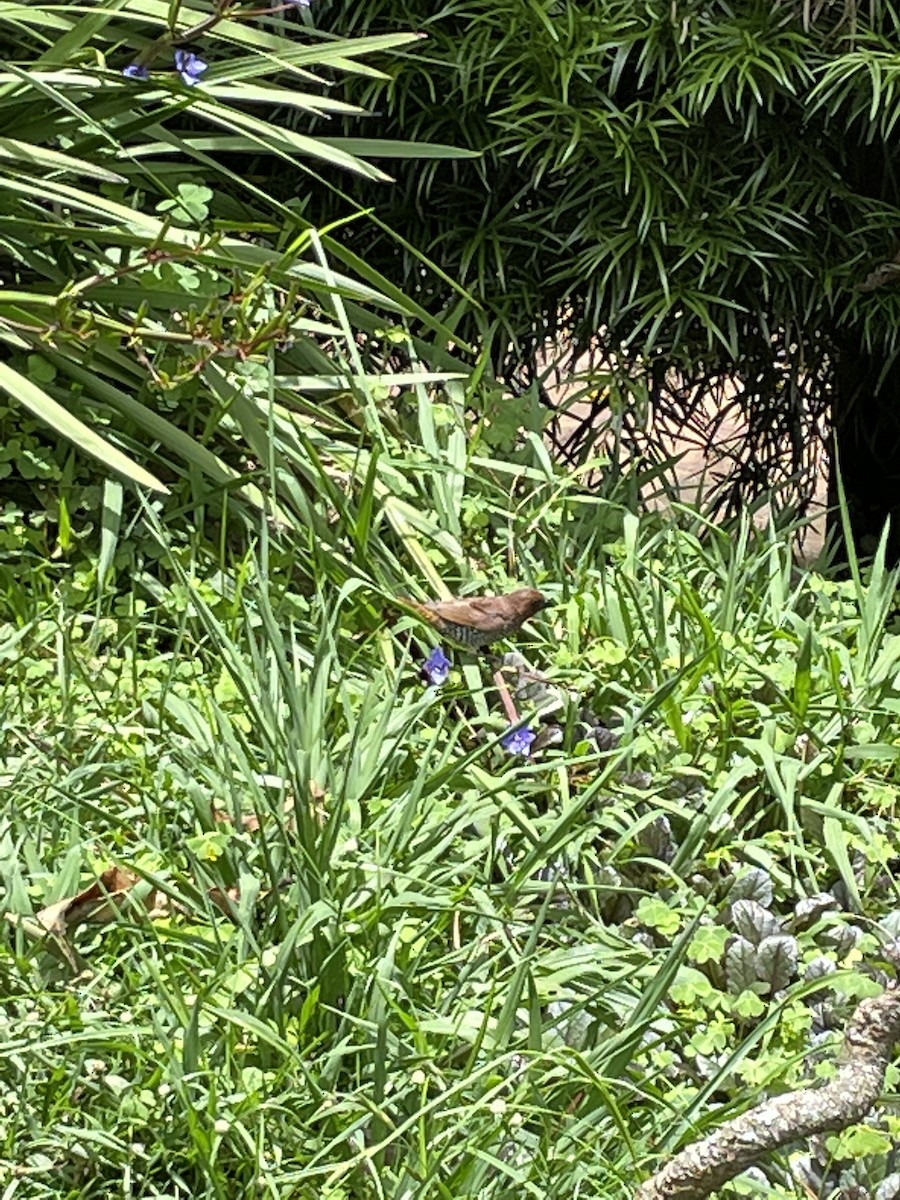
382	957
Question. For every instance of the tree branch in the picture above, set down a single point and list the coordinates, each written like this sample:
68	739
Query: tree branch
703	1167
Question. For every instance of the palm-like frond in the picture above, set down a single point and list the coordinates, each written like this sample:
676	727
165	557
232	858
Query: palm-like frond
156	272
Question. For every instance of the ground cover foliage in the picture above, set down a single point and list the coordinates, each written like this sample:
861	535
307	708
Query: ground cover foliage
352	947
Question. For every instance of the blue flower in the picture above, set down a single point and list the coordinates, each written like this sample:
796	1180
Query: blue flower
189	66
136	71
519	741
436	667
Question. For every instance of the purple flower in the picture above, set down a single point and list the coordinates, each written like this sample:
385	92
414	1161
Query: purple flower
189	66
519	741
436	667
136	71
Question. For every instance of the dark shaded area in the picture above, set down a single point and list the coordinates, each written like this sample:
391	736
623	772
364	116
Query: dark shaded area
866	426
635	198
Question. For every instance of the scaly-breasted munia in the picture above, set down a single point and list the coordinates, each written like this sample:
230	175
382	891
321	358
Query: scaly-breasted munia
476	621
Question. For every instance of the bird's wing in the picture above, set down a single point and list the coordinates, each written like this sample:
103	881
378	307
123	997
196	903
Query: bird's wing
488	613
426	610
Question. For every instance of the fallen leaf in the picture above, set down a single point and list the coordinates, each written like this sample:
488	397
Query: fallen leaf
98	904
227	900
249	821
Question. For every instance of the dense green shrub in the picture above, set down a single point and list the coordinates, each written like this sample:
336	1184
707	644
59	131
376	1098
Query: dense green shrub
696	185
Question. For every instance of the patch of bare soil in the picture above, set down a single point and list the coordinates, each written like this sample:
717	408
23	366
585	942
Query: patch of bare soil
699	467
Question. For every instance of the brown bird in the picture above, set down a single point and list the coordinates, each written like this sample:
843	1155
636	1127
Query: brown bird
476	621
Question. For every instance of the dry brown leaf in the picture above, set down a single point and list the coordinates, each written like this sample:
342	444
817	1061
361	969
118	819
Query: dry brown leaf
99	904
249	821
227	900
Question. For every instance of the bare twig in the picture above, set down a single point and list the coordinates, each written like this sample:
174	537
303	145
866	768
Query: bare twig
509	707
703	1167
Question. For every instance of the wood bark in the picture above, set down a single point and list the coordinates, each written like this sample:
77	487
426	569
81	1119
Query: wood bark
704	1166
